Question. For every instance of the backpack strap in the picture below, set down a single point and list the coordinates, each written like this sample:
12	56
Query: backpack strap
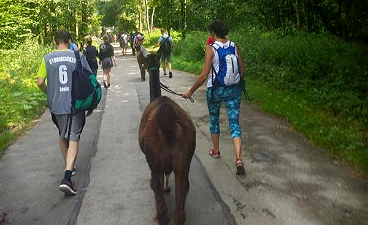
213	79
70	126
215	46
213	68
77	57
79	62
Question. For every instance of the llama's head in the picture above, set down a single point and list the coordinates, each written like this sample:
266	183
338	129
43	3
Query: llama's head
152	61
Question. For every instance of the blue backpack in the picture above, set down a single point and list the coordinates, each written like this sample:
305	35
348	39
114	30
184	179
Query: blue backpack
228	73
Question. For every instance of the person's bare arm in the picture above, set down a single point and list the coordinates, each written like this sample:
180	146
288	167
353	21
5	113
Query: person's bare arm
113	57
114	60
209	54
41	84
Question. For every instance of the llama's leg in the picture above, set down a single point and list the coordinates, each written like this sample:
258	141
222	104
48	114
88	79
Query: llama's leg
157	185
167	187
141	69
143	72
181	190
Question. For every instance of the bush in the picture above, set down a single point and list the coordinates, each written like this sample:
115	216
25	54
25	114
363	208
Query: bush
193	47
21	99
331	73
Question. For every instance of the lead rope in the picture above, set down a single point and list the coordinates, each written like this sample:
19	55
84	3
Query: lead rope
166	88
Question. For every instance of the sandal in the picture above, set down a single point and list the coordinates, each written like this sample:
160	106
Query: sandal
239	167
214	153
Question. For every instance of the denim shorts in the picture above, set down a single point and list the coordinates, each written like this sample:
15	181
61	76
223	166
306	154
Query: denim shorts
166	57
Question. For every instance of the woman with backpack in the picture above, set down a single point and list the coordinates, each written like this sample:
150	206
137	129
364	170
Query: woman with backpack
91	54
223	66
107	59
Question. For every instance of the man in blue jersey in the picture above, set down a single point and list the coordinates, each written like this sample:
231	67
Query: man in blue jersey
57	68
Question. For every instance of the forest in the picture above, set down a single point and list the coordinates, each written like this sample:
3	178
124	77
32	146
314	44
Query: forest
21	19
307	60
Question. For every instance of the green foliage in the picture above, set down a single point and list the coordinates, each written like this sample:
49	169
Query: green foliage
21	99
346	19
150	41
72	15
192	47
22	19
110	11
327	71
317	82
16	18
121	14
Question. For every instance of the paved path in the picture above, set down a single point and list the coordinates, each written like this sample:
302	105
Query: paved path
289	181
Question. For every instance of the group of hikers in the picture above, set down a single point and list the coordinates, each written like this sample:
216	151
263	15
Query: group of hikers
165	42
223	68
106	53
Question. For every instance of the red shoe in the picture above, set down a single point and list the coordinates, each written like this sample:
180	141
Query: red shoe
214	153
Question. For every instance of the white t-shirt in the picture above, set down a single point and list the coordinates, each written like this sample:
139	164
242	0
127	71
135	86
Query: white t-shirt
125	38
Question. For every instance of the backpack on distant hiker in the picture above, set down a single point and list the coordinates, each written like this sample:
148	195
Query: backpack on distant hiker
122	40
86	91
139	39
228	73
165	45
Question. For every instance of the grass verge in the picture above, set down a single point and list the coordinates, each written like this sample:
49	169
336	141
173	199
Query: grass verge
343	138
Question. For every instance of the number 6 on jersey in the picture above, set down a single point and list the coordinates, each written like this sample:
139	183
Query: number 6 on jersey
63	75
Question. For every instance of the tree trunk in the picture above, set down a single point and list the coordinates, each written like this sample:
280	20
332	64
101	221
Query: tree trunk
168	8
184	17
279	21
75	39
147	16
152	17
309	22
340	18
139	17
298	17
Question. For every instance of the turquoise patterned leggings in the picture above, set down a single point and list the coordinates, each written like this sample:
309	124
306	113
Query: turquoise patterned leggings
231	95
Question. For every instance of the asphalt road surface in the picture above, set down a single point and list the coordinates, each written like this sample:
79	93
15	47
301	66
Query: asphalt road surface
289	180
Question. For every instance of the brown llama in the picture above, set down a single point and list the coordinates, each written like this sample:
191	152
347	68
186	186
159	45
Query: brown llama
167	137
142	54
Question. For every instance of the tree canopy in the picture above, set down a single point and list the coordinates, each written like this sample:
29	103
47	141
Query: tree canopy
21	19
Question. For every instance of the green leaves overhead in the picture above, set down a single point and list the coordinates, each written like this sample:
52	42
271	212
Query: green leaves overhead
21	19
16	19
